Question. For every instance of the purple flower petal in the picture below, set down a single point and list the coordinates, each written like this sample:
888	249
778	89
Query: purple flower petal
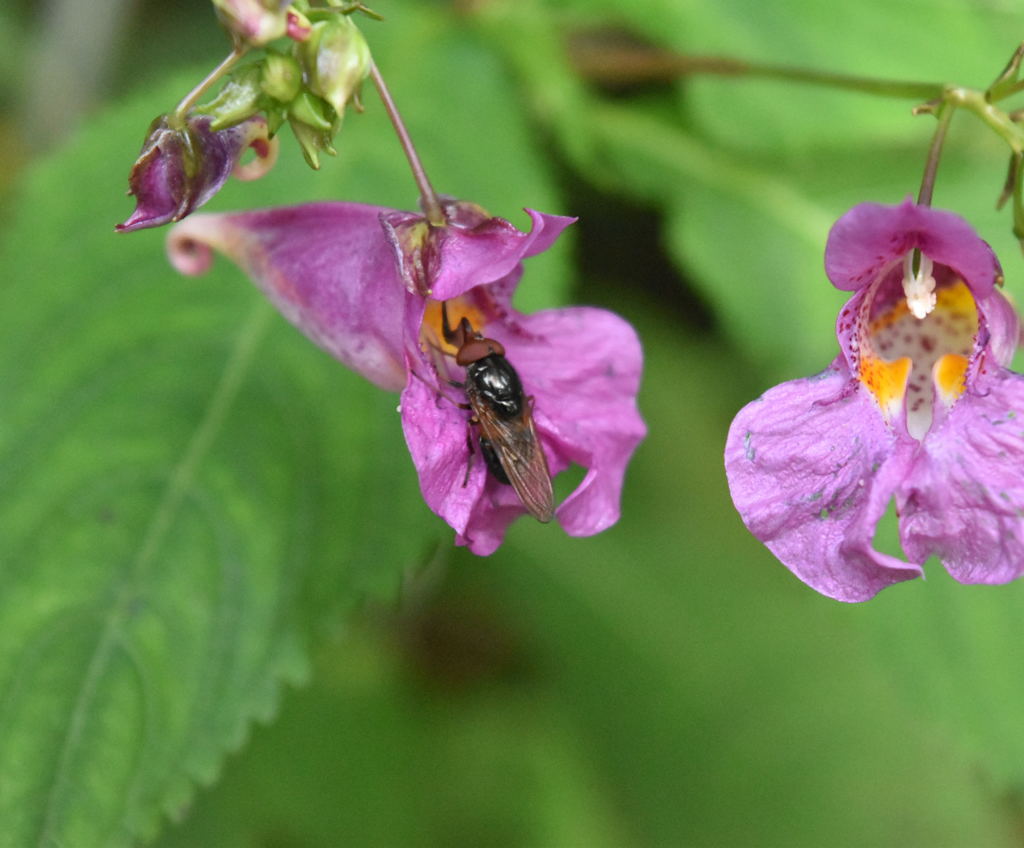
327	269
436	431
1002	324
582	366
871	237
811	469
446	262
180	170
964	496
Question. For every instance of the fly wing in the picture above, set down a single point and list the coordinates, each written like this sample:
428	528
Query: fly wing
518	449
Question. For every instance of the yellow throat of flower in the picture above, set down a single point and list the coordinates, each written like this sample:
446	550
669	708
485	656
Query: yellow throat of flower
432	329
916	351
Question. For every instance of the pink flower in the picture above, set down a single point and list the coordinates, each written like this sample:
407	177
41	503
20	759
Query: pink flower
918	407
353	278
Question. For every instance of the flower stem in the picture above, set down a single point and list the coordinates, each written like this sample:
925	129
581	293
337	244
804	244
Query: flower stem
867	85
944	114
626	63
428	197
181	110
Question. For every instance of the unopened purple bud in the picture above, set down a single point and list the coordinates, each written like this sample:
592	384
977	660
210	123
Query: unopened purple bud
179	169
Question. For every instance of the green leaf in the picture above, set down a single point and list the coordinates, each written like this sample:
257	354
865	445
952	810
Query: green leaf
193	492
413	765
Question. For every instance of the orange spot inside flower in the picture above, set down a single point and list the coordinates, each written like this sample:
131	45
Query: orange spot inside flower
949	375
432	330
887	381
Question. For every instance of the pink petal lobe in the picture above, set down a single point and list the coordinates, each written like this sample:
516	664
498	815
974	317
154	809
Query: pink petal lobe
811	468
582	367
964	500
436	432
472	256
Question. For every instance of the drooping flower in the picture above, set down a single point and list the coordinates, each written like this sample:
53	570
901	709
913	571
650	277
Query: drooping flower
179	169
918	407
336	270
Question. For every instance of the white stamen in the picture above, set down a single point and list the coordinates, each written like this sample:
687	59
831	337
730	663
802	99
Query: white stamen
920	287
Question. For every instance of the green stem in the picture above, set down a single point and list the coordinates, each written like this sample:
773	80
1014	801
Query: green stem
180	113
945	99
868	85
428	197
997	120
931	167
625	63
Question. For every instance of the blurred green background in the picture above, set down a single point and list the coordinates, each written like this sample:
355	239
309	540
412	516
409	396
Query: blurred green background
228	619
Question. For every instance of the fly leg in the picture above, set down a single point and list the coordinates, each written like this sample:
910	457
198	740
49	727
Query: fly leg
469	447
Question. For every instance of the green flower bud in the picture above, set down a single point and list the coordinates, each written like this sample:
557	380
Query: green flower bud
313	142
281	77
237	101
337	60
276	114
312	111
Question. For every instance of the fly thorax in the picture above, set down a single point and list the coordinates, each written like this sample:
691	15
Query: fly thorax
498	384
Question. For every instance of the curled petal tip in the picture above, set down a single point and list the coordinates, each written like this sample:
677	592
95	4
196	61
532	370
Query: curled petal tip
187	254
266	150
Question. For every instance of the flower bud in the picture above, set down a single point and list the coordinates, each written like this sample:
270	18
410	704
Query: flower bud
179	169
337	59
299	26
312	111
254	22
313	142
237	101
281	77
